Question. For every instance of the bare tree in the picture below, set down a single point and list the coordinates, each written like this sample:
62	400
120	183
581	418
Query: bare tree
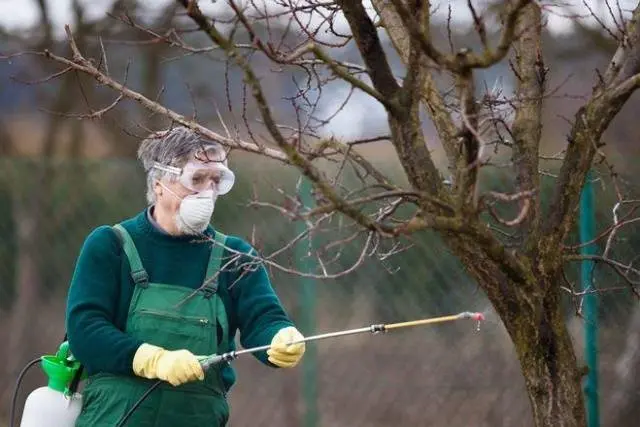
519	261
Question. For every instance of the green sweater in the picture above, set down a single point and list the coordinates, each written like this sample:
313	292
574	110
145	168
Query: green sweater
101	289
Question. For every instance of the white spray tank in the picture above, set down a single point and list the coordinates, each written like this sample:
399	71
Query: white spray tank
54	405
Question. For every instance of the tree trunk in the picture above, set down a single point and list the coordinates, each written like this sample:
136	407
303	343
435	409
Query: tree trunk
549	366
534	321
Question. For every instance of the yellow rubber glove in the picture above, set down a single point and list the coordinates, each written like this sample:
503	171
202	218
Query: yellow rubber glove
283	355
176	367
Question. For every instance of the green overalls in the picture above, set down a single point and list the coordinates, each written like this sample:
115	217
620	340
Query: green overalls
174	317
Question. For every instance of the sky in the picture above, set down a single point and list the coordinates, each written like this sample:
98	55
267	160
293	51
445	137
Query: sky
19	14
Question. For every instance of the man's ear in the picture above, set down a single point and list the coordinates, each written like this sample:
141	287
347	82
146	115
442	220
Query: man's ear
157	188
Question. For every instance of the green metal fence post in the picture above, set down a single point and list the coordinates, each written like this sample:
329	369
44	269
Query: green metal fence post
590	303
308	316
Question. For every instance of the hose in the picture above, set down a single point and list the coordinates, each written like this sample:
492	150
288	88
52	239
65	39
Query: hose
14	398
130	412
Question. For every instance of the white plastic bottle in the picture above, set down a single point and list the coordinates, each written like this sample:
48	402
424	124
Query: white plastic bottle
53	405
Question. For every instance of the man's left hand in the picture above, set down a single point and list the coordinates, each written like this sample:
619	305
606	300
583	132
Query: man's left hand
284	354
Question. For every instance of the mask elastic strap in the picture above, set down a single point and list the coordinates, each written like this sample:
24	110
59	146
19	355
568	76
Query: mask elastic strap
170	191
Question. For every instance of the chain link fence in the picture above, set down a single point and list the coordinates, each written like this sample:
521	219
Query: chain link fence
446	375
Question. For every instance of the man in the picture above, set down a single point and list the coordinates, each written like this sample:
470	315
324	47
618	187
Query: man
152	295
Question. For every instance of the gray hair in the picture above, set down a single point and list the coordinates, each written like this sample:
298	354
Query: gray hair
173	147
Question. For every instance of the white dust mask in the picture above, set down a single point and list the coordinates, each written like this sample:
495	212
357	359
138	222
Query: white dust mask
195	211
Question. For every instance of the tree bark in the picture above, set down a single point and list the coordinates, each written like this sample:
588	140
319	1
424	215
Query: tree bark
527	124
550	367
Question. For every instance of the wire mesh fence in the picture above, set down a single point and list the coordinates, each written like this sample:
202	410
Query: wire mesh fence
445	375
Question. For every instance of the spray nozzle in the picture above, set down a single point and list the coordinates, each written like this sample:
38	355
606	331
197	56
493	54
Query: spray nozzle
478	316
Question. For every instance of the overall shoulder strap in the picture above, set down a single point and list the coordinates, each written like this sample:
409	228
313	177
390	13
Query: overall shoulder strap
138	273
212	280
215	260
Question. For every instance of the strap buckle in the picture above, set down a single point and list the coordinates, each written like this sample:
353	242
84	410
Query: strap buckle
140	278
209	290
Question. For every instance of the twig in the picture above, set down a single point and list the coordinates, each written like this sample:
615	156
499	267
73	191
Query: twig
92	115
44	79
524	210
81	64
616	265
609	231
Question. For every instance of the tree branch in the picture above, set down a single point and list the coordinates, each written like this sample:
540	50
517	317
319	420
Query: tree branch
411	196
310	47
591	121
404	120
432	98
364	33
471	145
82	64
527	126
623	270
344	74
464	60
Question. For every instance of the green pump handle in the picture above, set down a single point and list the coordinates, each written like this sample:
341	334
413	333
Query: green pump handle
62	370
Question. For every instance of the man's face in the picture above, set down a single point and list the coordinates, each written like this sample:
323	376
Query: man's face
202	172
194	181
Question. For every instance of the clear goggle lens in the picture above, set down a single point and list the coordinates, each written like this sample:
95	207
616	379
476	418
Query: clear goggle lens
199	176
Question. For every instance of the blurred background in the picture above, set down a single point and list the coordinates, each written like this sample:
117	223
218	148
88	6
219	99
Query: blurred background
63	175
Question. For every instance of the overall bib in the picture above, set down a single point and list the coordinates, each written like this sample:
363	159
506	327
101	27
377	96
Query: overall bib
173	317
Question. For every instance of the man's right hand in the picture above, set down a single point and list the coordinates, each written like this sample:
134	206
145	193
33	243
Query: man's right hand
176	367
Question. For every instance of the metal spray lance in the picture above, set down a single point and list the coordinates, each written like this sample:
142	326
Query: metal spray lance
208	361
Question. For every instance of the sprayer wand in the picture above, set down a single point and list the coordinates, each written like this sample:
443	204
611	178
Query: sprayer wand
208	361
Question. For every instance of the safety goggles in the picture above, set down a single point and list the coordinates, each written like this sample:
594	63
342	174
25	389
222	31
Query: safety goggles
200	176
